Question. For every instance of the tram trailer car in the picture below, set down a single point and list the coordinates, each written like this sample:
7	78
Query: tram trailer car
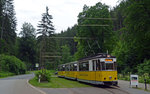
100	69
71	70
61	70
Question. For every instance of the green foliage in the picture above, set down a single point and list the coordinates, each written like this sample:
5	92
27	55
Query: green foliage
12	64
27	49
2	46
101	34
123	77
141	77
45	75
7	27
70	32
66	56
66	47
132	41
144	67
45	43
144	76
6	74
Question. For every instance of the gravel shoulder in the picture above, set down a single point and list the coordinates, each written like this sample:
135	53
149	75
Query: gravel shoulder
125	85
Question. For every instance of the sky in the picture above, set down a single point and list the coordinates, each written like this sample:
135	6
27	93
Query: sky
64	12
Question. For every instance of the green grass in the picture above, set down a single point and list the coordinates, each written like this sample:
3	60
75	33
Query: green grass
57	83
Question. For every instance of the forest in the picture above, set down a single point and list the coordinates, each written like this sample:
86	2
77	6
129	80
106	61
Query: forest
122	31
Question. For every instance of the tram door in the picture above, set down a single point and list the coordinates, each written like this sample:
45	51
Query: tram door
94	69
98	70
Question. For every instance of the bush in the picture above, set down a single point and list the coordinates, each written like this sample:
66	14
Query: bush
12	64
45	75
6	74
144	67
141	77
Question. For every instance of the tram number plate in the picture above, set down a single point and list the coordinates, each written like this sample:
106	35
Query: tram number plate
108	60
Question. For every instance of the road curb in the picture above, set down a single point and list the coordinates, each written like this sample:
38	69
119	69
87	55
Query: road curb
42	92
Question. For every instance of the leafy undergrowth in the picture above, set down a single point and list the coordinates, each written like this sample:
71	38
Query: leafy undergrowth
141	78
57	83
6	74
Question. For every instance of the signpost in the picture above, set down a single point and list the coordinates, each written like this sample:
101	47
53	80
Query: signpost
134	80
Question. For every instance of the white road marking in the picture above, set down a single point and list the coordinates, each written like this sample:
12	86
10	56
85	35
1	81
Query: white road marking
35	88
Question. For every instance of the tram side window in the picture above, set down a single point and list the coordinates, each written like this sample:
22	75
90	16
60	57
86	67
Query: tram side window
94	61
71	67
63	68
84	66
58	68
98	65
67	68
74	67
103	66
80	66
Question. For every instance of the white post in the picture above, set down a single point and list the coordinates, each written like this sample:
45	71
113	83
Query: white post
39	78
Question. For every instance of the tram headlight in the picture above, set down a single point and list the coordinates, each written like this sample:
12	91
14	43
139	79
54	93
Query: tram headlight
104	78
108	55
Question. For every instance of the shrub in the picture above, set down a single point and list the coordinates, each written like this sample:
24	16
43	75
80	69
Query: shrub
6	74
12	64
45	75
144	67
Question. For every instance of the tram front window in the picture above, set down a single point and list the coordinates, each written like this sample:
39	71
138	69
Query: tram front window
102	66
109	66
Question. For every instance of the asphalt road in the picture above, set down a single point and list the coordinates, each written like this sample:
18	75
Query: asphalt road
17	85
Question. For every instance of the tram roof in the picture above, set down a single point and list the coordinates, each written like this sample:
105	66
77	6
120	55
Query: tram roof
69	63
99	55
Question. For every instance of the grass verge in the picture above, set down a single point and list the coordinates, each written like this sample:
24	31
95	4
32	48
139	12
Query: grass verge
58	83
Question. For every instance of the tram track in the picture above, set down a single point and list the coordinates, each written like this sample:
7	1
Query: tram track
116	90
110	91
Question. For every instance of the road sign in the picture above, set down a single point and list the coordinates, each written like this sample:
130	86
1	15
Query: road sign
37	65
134	80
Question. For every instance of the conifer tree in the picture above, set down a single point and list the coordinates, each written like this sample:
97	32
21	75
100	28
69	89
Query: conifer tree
7	26
45	31
46	27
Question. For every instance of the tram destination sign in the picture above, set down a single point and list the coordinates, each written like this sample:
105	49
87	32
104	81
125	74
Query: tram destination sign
108	60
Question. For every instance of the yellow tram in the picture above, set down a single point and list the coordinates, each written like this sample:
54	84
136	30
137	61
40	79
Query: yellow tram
61	70
98	69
